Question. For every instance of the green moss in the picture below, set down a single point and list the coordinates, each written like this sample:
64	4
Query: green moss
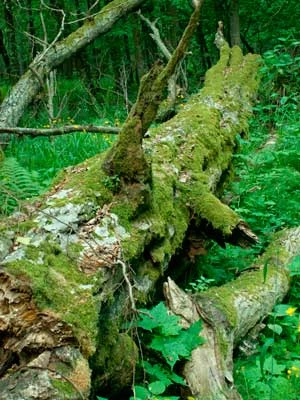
59	286
147	269
115	360
224	297
65	389
25	226
88	181
219	215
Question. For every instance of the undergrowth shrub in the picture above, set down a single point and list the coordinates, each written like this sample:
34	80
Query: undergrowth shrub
31	164
165	342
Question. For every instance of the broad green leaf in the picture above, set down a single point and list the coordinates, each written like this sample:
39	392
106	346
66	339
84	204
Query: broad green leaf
173	348
141	393
157	387
275	328
262	358
271	366
280	310
159	318
163	374
283	100
158	371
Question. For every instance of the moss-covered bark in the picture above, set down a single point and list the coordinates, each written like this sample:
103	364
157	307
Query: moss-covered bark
126	160
71	251
229	313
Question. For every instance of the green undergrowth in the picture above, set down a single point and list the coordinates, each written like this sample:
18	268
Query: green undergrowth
166	343
266	193
29	165
266	190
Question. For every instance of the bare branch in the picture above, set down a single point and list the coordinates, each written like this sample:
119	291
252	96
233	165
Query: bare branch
156	36
61	29
34	132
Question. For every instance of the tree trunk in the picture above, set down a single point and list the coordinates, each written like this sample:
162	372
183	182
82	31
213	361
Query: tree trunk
5	55
76	263
31	82
235	39
229	313
11	34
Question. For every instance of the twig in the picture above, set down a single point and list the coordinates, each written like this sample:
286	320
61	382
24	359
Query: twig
156	36
61	29
129	285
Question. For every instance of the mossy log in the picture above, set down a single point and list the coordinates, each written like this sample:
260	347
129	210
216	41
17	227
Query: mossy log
229	313
77	262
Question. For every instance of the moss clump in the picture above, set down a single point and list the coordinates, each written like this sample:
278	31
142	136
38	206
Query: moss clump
115	361
219	215
64	388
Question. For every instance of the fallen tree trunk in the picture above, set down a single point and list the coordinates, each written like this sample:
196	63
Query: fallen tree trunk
229	313
75	263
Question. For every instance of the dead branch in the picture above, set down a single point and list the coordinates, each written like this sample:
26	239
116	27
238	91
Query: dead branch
156	36
63	130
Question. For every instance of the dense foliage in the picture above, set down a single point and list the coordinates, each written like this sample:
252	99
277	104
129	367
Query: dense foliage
99	86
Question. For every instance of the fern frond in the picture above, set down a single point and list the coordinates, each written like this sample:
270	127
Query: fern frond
16	184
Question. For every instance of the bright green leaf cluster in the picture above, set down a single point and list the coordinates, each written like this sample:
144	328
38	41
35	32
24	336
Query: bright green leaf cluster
168	337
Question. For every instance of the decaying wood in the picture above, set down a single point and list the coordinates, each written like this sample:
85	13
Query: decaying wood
229	313
57	131
63	294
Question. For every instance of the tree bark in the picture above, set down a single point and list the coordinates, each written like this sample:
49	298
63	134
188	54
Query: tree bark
76	263
4	53
235	39
229	313
21	95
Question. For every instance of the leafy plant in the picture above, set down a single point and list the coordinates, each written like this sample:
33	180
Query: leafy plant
165	336
276	369
200	285
31	164
112	182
